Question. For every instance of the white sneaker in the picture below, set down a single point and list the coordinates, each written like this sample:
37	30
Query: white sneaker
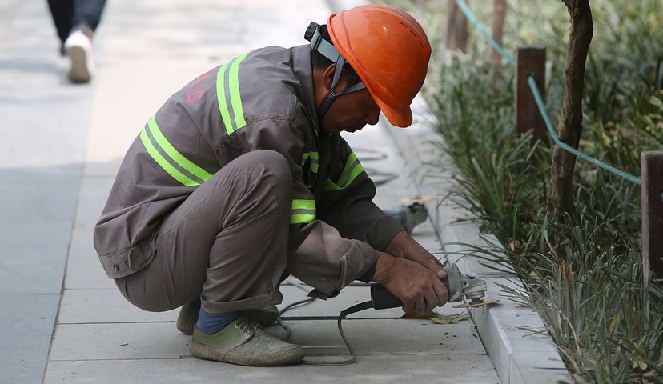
79	50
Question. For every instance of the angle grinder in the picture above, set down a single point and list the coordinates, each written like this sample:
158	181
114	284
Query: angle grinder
458	285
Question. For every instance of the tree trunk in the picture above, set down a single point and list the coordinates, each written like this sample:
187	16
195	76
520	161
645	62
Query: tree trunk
569	129
499	12
457	33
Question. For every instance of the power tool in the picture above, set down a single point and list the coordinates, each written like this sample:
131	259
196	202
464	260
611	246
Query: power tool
458	285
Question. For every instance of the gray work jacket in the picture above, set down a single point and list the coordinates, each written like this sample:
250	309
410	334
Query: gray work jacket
261	100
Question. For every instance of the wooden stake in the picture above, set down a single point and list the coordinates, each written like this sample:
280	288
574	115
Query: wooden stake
652	213
531	61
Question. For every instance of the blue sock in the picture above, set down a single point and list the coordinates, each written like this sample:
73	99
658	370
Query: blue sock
210	323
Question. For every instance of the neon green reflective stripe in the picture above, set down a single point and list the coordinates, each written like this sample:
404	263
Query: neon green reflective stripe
330	186
221	95
305	204
177	175
174	154
301	218
350	172
235	97
315	160
227	86
303	211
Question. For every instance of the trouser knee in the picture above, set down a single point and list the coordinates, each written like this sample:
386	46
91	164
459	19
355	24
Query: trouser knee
273	164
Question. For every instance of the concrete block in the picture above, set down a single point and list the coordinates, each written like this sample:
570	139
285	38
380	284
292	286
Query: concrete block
386	337
546	366
383	369
118	341
90	306
84	271
27	324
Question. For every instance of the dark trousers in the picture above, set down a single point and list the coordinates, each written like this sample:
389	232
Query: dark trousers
227	244
68	14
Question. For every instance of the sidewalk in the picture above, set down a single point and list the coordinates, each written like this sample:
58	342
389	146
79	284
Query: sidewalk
61	148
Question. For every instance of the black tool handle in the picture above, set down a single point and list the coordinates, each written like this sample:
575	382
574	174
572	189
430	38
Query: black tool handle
383	299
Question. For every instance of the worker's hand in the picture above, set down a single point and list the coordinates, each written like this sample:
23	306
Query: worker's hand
416	286
404	246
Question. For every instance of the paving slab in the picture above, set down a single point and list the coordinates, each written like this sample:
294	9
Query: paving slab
27	324
98	306
389	336
83	267
118	341
110	341
402	369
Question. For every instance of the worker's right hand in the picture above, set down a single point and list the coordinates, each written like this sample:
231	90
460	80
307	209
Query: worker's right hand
415	285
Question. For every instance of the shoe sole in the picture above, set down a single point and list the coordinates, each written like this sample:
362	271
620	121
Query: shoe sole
289	356
79	72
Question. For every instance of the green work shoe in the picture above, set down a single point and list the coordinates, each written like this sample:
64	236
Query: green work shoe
243	342
188	317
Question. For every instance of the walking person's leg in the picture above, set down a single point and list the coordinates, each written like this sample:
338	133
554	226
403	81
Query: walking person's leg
62	12
85	20
87	13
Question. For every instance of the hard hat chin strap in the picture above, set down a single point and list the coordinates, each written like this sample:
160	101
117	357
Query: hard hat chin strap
340	61
328	50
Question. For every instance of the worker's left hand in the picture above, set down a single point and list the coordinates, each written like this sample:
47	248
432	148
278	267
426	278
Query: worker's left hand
403	245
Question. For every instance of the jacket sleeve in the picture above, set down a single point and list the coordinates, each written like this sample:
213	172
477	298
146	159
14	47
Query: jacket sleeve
347	204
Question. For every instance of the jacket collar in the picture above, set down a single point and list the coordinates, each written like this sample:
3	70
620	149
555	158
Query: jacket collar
302	68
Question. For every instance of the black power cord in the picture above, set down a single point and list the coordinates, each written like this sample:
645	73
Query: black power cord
353	356
355	308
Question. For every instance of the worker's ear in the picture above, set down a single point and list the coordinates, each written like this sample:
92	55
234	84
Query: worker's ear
328	77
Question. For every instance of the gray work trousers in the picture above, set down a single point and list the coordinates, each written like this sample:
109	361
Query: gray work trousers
227	243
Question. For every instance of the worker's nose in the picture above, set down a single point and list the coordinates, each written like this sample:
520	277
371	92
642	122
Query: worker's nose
372	116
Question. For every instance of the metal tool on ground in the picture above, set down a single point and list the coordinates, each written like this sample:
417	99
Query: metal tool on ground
409	216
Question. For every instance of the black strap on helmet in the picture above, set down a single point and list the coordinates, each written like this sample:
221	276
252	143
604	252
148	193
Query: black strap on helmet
328	50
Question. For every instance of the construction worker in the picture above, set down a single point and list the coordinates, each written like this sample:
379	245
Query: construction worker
242	178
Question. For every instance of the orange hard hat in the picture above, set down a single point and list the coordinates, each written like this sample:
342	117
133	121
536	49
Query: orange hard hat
389	50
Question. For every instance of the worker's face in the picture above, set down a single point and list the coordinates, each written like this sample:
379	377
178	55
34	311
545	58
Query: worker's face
349	112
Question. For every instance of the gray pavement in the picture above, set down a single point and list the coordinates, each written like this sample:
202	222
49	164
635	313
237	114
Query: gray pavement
63	320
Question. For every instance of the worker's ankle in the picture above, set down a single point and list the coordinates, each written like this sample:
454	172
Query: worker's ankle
211	323
85	29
